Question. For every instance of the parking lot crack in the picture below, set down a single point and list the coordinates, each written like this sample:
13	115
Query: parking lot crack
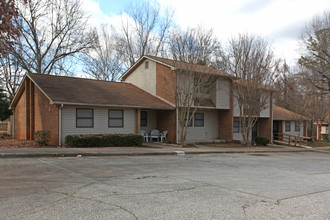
94	200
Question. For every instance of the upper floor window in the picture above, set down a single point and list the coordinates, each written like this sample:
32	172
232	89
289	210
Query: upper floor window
287	126
146	65
144	119
297	126
116	118
84	118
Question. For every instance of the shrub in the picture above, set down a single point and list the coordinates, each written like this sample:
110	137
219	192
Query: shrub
325	137
42	137
111	140
261	141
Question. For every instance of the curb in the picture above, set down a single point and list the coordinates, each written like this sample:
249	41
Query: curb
174	153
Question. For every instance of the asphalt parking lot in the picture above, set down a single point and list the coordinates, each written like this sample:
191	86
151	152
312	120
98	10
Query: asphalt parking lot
226	186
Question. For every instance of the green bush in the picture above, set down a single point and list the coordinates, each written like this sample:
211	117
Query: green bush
42	137
110	140
325	137
261	141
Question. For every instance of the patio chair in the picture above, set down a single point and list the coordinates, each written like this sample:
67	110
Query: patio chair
145	135
163	136
154	134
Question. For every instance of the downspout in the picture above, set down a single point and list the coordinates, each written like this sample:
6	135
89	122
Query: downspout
60	125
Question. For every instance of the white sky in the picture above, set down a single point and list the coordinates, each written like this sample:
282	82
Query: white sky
278	20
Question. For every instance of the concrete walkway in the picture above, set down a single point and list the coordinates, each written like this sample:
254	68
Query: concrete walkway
145	150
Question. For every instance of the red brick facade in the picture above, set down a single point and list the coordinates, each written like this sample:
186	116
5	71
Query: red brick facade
34	112
226	119
265	124
166	120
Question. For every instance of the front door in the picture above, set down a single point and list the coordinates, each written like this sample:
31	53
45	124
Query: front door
254	132
275	130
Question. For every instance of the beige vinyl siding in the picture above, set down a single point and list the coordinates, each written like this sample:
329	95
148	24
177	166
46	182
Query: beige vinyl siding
266	112
223	94
144	78
263	114
100	122
151	120
208	132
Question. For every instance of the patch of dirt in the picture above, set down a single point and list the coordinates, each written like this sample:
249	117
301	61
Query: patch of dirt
6	142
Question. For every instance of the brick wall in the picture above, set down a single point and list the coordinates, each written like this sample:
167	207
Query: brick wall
166	120
165	83
46	116
226	119
265	124
20	116
33	112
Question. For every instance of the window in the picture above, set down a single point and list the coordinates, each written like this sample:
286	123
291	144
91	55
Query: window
287	126
116	118
191	122
84	118
236	126
146	65
297	126
199	120
144	119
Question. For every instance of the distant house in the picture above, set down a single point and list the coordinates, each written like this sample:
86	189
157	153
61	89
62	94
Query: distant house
322	126
144	100
288	122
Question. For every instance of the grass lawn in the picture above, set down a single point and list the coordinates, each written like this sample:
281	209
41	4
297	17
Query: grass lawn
319	144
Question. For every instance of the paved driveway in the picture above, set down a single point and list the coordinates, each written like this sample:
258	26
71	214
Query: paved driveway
228	186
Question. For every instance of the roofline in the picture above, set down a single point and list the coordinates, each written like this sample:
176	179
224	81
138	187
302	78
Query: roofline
109	105
291	119
128	72
28	75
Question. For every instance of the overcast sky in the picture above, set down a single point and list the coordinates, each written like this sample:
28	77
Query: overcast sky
278	20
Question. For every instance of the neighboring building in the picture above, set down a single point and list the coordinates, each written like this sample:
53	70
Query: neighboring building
143	101
288	122
322	127
263	126
67	105
161	77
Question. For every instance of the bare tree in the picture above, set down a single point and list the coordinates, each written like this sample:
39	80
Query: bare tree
143	32
195	45
315	56
103	62
251	59
11	74
52	33
192	90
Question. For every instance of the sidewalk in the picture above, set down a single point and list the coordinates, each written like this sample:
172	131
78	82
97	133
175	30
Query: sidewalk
147	149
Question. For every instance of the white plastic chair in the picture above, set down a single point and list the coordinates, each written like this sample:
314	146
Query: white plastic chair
145	135
163	136
154	134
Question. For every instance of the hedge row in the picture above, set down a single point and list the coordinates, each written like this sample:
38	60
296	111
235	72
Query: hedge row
109	140
261	141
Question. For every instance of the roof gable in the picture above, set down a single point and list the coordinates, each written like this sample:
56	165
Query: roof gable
176	65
